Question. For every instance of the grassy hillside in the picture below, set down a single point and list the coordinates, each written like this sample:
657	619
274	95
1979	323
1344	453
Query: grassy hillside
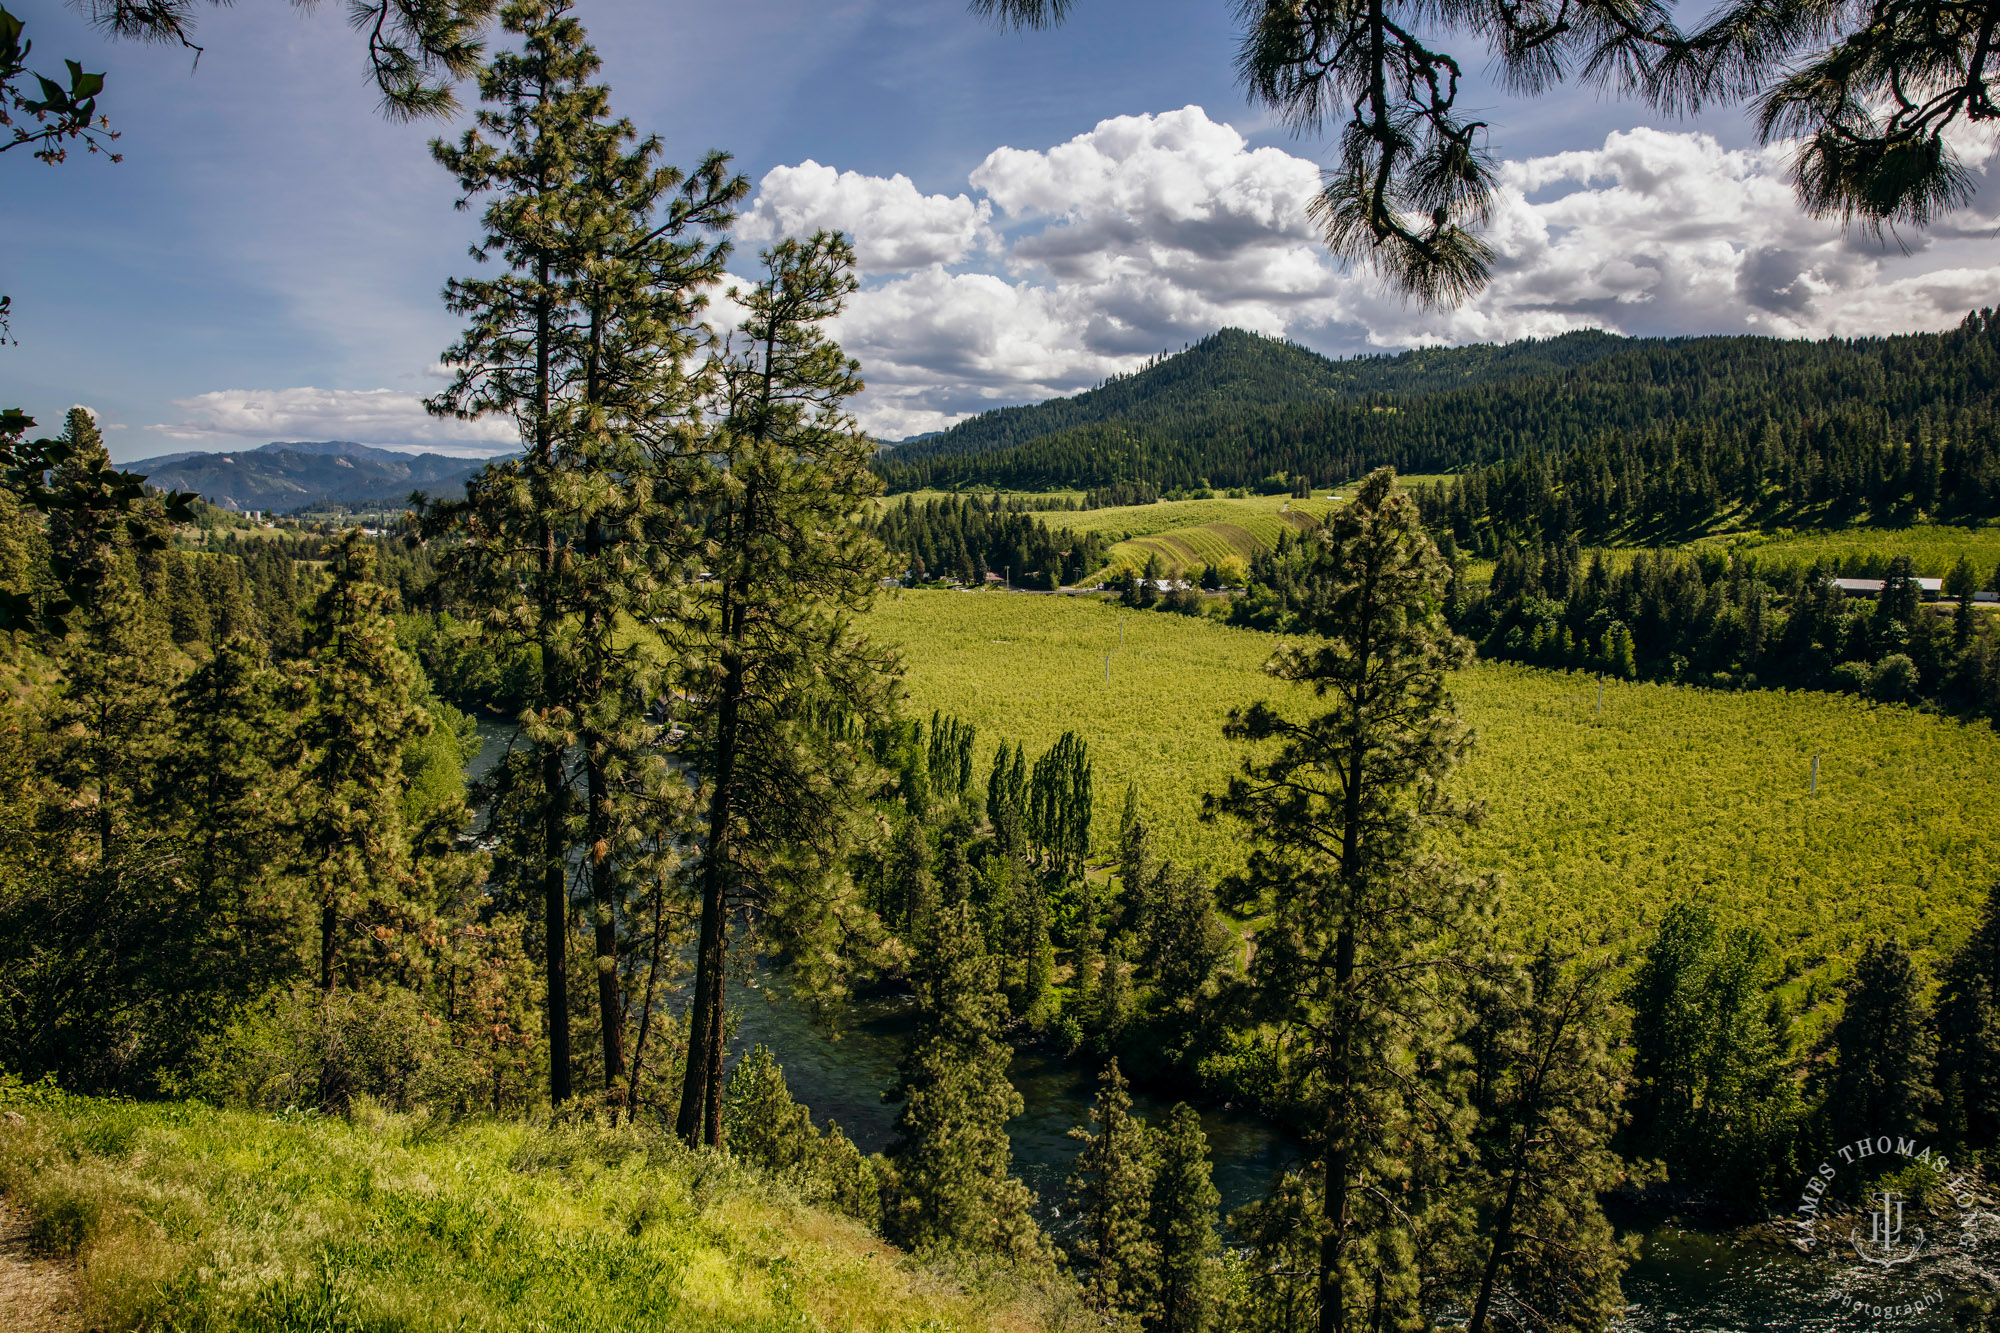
1595	825
183	1217
1186	550
1191	533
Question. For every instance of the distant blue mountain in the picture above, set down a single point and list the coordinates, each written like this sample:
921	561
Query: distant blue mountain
296	474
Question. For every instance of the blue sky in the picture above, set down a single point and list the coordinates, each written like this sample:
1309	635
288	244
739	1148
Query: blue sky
1034	211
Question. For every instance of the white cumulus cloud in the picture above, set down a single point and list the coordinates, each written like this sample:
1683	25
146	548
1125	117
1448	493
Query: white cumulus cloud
894	227
385	417
1058	266
1147	232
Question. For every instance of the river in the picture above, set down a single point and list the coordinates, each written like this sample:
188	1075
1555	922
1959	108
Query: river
1686	1280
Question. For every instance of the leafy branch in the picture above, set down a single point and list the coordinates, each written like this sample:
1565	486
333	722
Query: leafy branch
62	115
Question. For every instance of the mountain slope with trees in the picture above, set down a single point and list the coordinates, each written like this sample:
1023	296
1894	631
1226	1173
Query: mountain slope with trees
1841	406
1234	372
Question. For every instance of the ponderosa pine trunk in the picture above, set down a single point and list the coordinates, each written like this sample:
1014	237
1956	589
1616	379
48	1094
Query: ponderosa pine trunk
555	871
1339	1127
701	1092
597	843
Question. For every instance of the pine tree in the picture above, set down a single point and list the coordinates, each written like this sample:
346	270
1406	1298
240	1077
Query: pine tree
916	892
633	461
1340	813
952	1183
1182	1222
533	147
1712	1091
110	721
1189	941
1111	1193
110	718
1550	1103
1967	1019
352	694
771	640
591	342
221	775
1670	1033
1114	998
1138	879
1882	1048
762	1124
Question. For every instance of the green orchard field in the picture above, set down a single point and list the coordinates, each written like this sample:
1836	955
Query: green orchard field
1932	548
1594	825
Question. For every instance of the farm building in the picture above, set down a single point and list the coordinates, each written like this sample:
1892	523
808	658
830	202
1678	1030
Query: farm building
1929	589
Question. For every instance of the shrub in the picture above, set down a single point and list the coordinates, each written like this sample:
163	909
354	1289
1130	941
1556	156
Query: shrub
1894	679
303	1049
763	1125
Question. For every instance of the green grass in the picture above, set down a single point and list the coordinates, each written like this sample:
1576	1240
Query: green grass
183	1217
1595	826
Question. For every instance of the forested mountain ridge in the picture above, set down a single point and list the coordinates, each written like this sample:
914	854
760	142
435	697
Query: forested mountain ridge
287	475
1834	393
1232	372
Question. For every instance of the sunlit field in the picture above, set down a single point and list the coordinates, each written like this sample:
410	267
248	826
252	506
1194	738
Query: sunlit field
1596	823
